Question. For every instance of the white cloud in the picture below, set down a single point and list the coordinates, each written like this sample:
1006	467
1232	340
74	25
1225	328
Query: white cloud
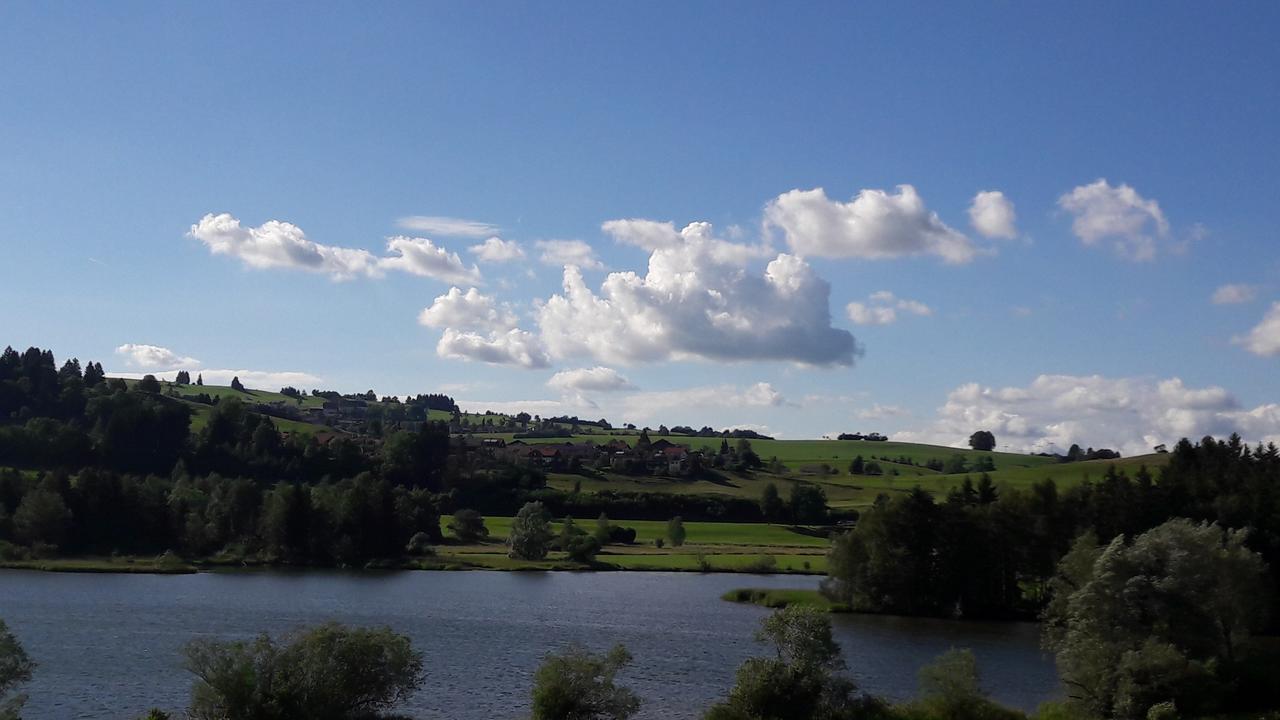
658	405
420	256
1117	213
1129	414
154	357
512	347
874	225
882	309
697	301
469	310
276	244
563	253
1234	294
252	379
1264	338
495	249
446	226
652	235
992	215
879	412
596	379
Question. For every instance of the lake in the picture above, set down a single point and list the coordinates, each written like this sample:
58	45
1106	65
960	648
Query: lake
109	646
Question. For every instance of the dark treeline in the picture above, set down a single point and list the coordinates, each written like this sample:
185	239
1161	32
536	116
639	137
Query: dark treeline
111	467
984	552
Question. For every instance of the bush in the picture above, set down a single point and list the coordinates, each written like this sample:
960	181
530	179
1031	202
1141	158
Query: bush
330	672
419	544
577	685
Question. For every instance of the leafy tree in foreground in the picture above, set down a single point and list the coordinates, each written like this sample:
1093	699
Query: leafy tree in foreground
15	669
329	672
675	531
468	526
530	533
575	684
800	681
1161	619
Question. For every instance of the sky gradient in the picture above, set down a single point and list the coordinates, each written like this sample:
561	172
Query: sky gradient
1055	222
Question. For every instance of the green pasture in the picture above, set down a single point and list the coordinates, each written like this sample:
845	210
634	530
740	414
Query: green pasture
696	533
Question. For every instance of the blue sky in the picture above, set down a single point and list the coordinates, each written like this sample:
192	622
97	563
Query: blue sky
123	125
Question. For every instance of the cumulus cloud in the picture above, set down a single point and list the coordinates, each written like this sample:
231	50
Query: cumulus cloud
154	357
446	226
595	379
652	235
165	364
495	249
469	310
659	405
562	253
874	225
992	215
1234	294
511	347
882	309
276	244
1128	414
697	302
420	256
1264	338
880	412
1118	213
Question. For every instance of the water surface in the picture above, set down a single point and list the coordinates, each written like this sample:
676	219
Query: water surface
109	646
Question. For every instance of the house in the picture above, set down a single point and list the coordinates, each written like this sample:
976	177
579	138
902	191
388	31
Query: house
677	459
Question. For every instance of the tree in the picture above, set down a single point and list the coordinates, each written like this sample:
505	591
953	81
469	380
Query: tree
983	440
330	672
530	533
951	689
808	503
771	505
575	684
15	669
1155	620
236	384
42	517
468	526
675	531
603	529
858	466
149	384
799	682
200	379
182	378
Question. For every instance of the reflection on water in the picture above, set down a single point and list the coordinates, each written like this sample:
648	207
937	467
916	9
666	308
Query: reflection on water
109	645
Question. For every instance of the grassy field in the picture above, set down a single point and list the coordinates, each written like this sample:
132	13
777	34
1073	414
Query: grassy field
696	533
848	491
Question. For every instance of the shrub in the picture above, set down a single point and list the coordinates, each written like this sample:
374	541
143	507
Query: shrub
330	672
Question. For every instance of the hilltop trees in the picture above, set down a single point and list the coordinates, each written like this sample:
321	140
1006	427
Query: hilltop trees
983	440
236	384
